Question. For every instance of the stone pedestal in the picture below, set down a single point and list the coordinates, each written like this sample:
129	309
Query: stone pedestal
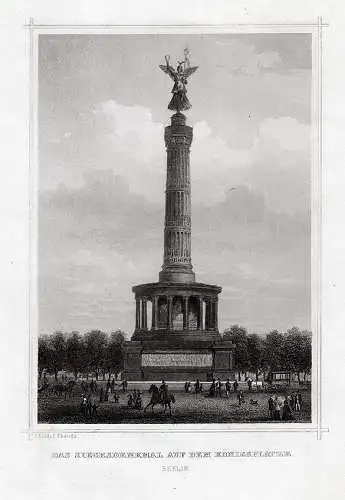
178	359
132	361
223	359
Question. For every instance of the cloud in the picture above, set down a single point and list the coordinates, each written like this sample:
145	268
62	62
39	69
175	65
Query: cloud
97	241
286	132
128	142
131	130
243	58
103	169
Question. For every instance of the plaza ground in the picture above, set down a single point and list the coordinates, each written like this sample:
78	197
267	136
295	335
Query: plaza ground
188	408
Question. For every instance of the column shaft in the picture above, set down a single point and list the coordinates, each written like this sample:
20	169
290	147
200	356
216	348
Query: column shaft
154	320
170	304
137	313
211	315
200	315
208	314
216	315
185	313
143	314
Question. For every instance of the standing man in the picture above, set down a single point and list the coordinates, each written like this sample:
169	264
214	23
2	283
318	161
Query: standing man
240	398
235	385
298	401
219	387
276	408
212	389
250	383
101	395
271	407
227	388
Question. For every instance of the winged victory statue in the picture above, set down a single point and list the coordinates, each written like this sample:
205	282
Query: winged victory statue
179	101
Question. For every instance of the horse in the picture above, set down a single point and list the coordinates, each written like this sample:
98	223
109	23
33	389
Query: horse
58	389
65	389
166	402
157	399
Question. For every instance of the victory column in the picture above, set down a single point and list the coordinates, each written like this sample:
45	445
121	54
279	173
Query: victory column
183	341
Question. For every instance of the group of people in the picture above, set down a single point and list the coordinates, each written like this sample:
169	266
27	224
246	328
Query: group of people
135	400
88	405
93	386
197	386
280	409
105	394
216	388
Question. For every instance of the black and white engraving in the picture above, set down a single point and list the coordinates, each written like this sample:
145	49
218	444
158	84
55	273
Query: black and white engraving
210	180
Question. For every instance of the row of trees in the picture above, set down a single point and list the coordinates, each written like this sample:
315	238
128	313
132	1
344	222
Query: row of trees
100	354
290	351
95	352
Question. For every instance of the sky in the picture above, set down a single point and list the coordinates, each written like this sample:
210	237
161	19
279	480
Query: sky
102	166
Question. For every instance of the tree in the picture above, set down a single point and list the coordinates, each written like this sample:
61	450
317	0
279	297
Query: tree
115	352
273	352
238	335
297	352
57	347
255	347
75	353
307	355
95	345
44	355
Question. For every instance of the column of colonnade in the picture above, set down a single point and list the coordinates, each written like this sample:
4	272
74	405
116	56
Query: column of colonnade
210	305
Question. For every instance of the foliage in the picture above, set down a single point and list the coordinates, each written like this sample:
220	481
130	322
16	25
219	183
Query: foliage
96	352
44	355
96	344
93	352
290	351
238	335
114	354
75	348
57	352
274	350
255	347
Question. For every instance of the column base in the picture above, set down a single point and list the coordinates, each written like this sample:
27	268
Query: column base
176	276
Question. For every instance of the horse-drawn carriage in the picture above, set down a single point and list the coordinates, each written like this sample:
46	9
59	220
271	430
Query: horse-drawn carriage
278	381
66	389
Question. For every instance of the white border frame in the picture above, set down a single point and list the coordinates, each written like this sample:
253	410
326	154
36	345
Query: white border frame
316	30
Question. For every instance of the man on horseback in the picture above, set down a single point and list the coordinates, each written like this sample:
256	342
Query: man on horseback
160	396
163	391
